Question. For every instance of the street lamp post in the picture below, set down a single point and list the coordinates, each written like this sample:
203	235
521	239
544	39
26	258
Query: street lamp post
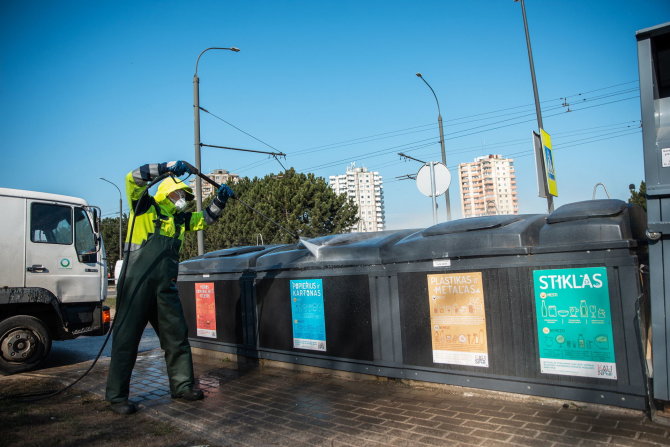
444	154
197	143
120	217
538	110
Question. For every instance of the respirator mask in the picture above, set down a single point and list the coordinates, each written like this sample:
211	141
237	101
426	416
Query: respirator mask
179	199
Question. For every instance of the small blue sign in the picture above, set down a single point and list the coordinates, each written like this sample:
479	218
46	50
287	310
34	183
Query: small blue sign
309	323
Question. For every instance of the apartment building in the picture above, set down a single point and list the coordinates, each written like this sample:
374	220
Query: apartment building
488	186
220	176
366	190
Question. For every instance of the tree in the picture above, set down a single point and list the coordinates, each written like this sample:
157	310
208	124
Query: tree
301	203
109	228
639	197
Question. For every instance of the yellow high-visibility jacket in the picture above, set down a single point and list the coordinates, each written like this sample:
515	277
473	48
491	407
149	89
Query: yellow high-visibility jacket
149	208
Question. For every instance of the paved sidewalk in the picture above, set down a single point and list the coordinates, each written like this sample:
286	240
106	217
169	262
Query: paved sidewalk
272	406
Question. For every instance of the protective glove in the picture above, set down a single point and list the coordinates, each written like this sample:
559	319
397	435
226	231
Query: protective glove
178	168
214	210
224	193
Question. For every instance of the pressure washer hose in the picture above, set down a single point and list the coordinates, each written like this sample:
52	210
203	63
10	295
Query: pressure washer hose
34	397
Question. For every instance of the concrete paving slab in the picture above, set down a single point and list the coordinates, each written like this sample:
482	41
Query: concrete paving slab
270	406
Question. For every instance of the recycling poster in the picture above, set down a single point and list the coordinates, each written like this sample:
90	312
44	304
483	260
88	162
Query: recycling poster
458	319
307	310
205	309
574	322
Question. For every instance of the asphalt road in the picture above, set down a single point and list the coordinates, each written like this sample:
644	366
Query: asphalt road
81	349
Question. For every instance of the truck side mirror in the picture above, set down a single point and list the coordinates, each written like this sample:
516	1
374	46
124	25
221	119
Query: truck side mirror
96	221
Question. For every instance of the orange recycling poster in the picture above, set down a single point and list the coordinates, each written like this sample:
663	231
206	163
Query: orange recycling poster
458	319
205	309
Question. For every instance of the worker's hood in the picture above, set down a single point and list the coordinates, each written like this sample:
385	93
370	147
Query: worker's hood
167	186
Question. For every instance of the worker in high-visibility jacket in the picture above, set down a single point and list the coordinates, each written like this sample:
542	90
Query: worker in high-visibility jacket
148	290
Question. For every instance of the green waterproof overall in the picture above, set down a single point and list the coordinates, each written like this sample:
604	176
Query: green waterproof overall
148	293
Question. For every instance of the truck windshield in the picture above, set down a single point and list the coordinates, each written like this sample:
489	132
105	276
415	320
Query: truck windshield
84	238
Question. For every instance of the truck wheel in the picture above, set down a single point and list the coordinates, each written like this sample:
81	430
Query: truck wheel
24	344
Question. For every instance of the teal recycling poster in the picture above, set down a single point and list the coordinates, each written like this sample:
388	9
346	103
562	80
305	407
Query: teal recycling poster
309	324
574	322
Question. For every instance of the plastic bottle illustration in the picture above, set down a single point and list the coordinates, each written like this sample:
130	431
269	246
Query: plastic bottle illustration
582	345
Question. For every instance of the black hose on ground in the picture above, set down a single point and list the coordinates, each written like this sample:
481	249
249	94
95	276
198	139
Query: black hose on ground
35	397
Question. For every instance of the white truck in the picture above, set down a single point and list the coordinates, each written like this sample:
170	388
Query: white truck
53	275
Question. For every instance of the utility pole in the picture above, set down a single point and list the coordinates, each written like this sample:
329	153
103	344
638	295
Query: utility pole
538	111
444	154
197	144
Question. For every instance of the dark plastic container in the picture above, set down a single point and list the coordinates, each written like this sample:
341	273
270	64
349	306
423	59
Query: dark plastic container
230	273
343	265
496	302
511	254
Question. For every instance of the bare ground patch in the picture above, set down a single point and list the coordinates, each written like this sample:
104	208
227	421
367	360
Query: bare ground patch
77	419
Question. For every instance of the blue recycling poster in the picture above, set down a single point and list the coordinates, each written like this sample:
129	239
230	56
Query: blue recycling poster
574	322
307	311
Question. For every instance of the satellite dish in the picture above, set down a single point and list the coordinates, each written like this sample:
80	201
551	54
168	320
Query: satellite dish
442	179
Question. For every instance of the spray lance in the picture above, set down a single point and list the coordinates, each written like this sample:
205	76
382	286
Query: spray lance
195	171
313	248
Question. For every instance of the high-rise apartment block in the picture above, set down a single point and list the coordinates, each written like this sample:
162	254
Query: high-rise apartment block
366	190
220	176
488	186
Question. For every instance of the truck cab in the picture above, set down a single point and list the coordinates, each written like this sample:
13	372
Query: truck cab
53	275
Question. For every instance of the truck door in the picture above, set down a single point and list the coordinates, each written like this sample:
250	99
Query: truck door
12	247
61	252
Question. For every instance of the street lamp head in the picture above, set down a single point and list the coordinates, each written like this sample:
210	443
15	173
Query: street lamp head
419	74
237	50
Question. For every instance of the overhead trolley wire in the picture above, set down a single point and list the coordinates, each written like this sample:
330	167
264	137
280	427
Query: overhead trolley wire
569	144
432	125
627	125
237	128
451	136
514	119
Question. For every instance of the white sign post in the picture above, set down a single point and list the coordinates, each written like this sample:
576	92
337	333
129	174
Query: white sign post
433	180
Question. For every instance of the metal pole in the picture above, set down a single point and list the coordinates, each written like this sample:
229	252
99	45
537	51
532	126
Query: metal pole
444	162
538	111
432	191
120	218
120	229
444	154
196	137
198	163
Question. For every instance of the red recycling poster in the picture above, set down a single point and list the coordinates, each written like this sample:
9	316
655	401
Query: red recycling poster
205	309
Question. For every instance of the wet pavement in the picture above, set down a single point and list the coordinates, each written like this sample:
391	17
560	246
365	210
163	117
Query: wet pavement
271	406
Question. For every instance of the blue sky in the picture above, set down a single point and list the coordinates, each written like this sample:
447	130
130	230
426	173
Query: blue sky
95	89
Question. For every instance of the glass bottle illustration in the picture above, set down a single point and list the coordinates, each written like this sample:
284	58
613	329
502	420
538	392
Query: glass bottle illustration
544	308
583	309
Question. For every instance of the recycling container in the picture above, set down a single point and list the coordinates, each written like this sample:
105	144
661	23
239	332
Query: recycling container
216	292
318	303
549	305
534	304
